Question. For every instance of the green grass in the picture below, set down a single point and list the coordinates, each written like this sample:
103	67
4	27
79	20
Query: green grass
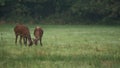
64	46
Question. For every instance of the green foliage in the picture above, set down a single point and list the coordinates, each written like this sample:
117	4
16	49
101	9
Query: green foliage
68	11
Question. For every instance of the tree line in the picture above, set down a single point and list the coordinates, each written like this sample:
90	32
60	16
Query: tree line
61	11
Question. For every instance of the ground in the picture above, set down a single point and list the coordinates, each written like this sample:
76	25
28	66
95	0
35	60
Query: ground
64	46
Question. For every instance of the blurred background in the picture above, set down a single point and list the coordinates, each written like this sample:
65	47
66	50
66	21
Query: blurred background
60	11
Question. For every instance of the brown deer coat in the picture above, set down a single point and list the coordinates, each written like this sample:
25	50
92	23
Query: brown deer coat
22	31
38	33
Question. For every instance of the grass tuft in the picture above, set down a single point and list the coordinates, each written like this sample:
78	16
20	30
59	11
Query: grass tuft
64	46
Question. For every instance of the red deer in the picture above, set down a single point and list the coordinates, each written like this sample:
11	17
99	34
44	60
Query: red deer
22	31
38	33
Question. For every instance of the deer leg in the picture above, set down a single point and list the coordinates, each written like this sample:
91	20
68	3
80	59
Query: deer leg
35	41
20	40
41	41
16	39
25	41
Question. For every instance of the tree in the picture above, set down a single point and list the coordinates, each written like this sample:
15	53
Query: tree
66	10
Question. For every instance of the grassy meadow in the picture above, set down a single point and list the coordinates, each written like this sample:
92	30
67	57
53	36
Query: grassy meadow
64	46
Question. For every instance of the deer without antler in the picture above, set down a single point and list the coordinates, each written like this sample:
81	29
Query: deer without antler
24	33
38	33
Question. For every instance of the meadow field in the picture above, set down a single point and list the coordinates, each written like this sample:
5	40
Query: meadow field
64	46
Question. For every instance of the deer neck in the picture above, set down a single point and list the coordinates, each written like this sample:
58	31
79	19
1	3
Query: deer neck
30	40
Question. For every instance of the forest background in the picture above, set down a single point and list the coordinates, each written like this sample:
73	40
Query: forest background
105	12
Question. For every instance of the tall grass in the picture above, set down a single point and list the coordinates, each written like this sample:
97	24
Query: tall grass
64	46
